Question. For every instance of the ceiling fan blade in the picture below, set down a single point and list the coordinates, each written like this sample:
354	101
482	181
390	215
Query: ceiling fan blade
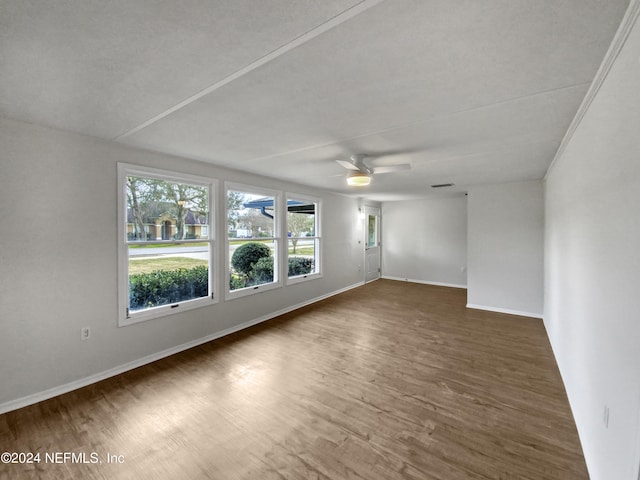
348	165
391	168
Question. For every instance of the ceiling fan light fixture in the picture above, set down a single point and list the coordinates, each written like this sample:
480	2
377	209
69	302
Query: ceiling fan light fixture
358	179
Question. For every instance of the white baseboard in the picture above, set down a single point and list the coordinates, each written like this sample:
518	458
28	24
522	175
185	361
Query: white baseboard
505	310
424	282
83	382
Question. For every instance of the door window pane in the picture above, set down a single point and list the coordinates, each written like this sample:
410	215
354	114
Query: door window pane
372	231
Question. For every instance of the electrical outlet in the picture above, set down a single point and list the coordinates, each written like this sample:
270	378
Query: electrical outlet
605	417
85	333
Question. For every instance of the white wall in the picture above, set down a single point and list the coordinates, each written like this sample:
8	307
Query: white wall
425	240
58	257
505	252
592	274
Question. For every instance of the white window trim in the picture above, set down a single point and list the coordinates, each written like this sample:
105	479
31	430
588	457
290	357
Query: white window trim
129	318
319	267
277	239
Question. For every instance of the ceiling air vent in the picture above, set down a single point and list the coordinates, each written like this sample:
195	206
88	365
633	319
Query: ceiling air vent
440	185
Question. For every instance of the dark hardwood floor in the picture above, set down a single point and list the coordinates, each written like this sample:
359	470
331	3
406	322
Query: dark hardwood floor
392	380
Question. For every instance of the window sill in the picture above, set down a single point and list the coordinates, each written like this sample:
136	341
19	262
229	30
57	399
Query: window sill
303	278
245	292
164	311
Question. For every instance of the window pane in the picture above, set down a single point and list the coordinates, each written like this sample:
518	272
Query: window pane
302	256
302	240
252	263
250	215
163	210
162	274
372	231
301	219
252	248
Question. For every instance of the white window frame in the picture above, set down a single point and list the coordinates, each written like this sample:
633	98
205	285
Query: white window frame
125	317
317	238
277	240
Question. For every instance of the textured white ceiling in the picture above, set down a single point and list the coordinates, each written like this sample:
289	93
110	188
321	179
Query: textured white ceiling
468	91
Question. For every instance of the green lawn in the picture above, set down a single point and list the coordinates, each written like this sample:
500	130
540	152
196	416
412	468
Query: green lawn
248	240
302	250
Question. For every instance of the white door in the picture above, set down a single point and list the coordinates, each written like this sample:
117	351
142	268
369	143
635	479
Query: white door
372	243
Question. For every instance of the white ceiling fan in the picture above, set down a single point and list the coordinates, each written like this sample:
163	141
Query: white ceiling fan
361	173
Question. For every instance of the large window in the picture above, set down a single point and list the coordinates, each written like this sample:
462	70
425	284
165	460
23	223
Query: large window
303	238
166	242
252	221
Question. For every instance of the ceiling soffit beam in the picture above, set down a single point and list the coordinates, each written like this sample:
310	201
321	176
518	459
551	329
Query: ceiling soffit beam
296	42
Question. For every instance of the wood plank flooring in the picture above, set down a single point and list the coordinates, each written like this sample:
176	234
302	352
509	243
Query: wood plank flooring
391	380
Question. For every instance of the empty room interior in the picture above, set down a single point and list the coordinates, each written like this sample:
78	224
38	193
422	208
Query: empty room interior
341	239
